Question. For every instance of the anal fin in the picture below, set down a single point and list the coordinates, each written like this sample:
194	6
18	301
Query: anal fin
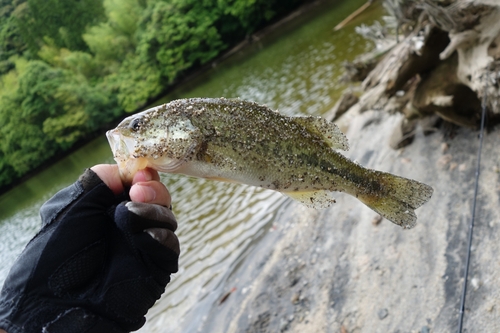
314	199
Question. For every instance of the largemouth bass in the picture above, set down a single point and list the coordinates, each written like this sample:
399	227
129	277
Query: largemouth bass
243	142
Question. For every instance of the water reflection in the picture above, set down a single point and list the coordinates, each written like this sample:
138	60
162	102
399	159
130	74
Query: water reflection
219	222
14	231
19	218
296	74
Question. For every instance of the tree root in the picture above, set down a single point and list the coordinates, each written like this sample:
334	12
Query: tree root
444	66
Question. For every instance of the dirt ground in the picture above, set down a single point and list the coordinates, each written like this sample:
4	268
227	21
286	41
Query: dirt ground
343	270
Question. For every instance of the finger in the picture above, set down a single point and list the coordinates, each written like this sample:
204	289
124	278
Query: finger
146	235
145	175
152	216
110	175
150	192
166	238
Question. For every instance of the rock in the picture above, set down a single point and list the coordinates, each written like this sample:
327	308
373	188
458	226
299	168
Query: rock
425	329
314	257
475	283
377	220
284	324
444	161
382	314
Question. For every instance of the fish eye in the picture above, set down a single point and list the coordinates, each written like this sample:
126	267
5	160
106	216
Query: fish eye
135	124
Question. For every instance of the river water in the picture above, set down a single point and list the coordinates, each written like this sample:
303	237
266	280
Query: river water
294	70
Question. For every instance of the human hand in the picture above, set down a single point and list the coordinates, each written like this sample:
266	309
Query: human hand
146	185
94	266
146	190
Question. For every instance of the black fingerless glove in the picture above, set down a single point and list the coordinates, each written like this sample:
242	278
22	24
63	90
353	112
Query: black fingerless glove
97	265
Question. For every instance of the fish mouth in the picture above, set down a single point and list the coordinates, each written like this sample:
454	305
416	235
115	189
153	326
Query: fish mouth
122	147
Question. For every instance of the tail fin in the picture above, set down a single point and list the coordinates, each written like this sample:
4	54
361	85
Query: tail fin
397	199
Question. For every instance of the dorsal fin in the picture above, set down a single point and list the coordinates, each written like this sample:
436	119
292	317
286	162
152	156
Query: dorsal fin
328	130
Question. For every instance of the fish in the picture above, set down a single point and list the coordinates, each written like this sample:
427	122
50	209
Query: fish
238	141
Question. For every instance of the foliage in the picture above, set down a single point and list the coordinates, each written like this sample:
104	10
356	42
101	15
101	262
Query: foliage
69	67
113	39
23	144
63	21
178	35
136	82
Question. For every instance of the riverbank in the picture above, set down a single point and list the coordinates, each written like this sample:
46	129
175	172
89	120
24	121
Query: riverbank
345	270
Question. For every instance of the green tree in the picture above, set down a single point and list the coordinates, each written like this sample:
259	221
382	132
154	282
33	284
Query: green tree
11	41
78	62
136	82
84	108
115	38
63	21
7	173
48	111
241	17
24	146
178	34
37	89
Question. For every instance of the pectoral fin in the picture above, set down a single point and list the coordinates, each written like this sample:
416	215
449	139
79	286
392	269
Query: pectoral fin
314	199
328	130
128	168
